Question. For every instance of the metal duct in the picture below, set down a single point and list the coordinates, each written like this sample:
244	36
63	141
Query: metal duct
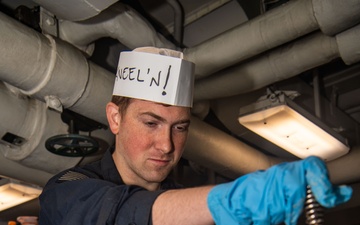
278	26
120	22
282	63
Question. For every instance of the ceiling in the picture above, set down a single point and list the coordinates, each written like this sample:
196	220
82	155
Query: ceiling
241	49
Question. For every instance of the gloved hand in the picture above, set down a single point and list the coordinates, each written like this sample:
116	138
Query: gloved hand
275	195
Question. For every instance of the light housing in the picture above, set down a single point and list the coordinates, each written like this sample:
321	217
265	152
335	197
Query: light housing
279	120
15	193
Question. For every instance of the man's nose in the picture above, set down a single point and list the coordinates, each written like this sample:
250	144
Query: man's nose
164	141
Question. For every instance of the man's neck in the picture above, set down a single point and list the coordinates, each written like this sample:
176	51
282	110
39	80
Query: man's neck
130	178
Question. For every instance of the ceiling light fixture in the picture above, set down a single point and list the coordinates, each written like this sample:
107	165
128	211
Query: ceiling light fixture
13	194
278	119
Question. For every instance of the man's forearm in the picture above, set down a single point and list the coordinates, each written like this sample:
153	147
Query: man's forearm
183	206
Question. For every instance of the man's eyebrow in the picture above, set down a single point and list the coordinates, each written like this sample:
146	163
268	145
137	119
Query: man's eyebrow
154	115
157	117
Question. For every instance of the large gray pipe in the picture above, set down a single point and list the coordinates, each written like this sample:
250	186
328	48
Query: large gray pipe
119	22
87	87
347	168
230	157
75	10
32	124
47	68
276	27
23	173
282	63
224	154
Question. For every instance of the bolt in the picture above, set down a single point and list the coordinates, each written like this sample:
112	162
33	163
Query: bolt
50	21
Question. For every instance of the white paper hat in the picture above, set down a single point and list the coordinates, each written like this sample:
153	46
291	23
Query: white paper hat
155	74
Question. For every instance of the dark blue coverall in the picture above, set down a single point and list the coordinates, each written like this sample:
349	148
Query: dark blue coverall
96	195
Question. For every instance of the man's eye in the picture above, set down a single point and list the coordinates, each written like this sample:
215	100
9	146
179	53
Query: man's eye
150	124
181	127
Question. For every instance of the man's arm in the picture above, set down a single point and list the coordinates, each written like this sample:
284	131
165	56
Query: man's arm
182	206
270	197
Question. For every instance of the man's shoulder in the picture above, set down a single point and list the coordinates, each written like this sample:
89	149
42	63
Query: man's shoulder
76	173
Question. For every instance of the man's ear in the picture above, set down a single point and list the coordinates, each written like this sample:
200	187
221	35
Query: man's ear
113	117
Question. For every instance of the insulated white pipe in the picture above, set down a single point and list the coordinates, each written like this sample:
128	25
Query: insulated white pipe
334	16
348	44
347	168
32	123
75	10
119	22
12	169
47	68
214	141
224	154
282	63
276	27
231	158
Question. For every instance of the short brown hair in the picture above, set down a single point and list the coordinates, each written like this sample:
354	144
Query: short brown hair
122	102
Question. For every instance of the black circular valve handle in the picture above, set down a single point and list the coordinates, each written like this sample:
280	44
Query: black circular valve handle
73	145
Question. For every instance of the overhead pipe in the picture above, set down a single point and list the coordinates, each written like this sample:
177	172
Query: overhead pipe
52	70
349	45
212	148
29	56
120	22
23	173
346	169
280	64
226	155
336	16
25	126
274	28
75	10
178	21
58	74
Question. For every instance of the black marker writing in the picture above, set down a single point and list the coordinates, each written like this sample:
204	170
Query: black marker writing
166	81
134	74
156	82
138	77
128	73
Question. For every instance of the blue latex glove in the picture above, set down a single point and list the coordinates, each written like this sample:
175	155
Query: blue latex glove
275	195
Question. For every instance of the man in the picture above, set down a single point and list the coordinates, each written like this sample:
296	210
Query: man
150	117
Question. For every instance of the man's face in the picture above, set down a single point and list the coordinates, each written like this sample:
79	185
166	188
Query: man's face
150	141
